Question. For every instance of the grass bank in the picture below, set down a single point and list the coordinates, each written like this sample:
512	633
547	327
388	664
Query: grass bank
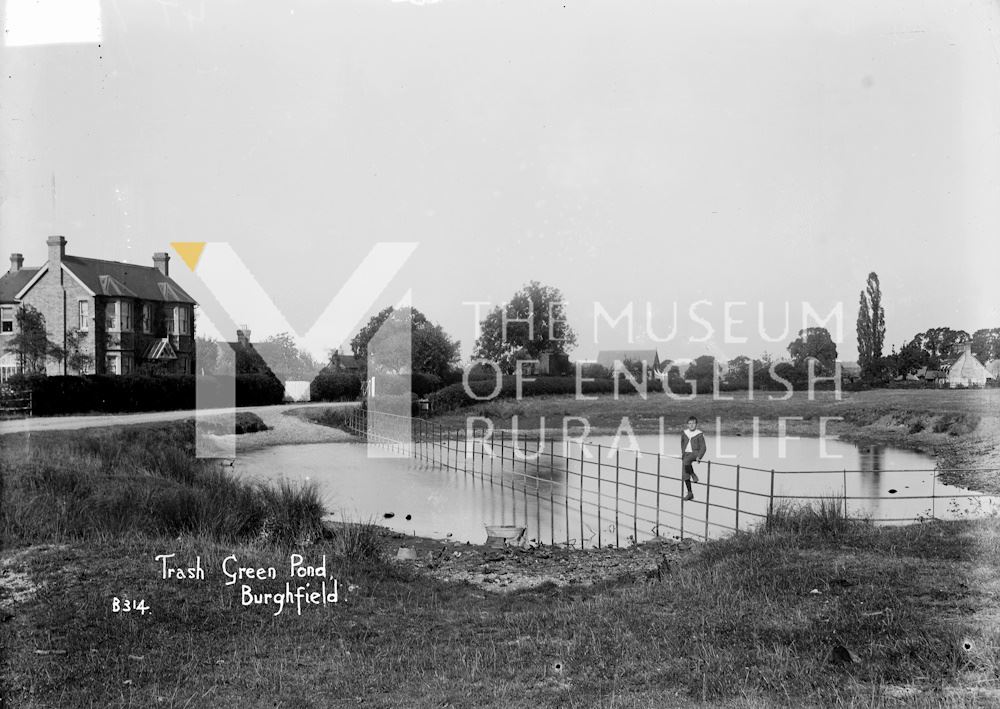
141	479
799	615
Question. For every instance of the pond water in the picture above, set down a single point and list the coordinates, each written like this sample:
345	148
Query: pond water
596	494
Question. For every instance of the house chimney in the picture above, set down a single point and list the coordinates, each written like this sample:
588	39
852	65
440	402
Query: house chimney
162	262
57	249
243	334
16	262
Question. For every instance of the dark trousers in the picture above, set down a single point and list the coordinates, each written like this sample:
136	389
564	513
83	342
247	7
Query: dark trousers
689	474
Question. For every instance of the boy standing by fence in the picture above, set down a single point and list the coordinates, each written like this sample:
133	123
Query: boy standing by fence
693	449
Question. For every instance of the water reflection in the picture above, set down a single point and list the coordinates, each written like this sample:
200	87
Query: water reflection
606	500
871	461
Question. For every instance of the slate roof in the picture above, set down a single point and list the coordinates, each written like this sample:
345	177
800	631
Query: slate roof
115	278
11	283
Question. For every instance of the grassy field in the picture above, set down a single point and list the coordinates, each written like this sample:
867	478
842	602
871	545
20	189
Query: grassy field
812	611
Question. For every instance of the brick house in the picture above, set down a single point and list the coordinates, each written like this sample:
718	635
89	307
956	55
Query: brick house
131	318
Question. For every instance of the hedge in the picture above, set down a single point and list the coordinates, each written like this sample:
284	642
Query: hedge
335	387
340	386
133	392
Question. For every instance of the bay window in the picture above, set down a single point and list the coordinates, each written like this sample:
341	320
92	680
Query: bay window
118	316
180	321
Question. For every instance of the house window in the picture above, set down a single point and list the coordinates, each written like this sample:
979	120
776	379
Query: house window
111	316
112	364
118	316
179	322
6	320
147	317
127	364
83	320
8	366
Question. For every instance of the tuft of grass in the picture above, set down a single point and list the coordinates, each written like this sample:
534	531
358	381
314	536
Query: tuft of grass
294	514
362	543
823	518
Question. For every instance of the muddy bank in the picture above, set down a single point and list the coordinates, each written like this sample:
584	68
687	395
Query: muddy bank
529	566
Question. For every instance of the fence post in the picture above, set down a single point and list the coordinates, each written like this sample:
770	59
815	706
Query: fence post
635	502
565	496
524	496
599	522
538	501
656	529
737	497
934	494
845	493
617	473
770	499
552	516
581	494
708	491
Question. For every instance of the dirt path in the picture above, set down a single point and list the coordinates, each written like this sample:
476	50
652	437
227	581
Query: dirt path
271	415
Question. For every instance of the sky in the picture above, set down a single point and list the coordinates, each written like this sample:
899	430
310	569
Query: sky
653	153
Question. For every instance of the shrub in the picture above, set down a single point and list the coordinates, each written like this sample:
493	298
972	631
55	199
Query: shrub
824	518
358	542
294	514
338	386
245	422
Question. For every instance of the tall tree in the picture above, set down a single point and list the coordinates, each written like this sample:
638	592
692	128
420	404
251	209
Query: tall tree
871	329
506	328
814	342
986	344
31	343
290	358
864	335
739	372
941	342
432	350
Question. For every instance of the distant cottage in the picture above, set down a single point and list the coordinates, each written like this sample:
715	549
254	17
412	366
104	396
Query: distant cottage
965	369
130	318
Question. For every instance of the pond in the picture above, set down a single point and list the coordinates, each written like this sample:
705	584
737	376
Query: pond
598	495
